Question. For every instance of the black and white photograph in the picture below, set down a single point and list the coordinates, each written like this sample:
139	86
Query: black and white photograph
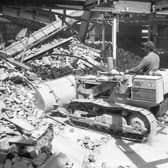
84	84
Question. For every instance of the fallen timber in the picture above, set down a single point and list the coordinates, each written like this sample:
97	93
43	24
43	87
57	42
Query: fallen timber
12	61
38	36
39	54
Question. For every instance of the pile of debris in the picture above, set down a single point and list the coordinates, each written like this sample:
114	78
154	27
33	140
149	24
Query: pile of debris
28	151
66	60
17	96
25	135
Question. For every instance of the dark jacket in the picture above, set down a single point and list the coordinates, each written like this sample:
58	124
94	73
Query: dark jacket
149	63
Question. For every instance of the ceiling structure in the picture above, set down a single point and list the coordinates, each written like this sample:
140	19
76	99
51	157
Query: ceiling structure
85	4
75	4
39	11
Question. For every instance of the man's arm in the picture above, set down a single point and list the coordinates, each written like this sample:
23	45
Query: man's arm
140	66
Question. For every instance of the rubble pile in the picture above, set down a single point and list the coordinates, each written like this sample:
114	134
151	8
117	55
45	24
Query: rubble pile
24	151
17	97
25	134
65	60
34	50
50	68
90	54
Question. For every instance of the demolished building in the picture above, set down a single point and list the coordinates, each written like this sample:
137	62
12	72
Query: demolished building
38	131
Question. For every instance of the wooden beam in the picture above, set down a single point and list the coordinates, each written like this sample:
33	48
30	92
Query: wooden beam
3	56
44	50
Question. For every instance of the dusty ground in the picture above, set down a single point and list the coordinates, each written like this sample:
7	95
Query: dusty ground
117	153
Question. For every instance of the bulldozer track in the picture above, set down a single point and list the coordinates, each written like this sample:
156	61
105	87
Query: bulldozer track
133	136
146	113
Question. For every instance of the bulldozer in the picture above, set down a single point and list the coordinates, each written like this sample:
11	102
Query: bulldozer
125	105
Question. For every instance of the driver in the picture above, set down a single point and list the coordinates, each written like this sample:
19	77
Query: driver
150	63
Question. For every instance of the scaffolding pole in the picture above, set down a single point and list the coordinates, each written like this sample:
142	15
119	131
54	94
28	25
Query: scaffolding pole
114	41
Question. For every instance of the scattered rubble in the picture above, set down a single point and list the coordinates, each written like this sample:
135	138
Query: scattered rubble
30	137
27	139
26	136
72	58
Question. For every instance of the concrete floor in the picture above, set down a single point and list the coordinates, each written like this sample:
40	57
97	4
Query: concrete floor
153	154
116	152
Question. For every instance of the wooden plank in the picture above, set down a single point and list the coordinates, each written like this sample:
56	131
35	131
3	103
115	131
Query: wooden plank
47	49
14	62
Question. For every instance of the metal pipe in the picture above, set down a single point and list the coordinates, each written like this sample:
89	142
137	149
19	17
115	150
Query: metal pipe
114	40
98	2
103	37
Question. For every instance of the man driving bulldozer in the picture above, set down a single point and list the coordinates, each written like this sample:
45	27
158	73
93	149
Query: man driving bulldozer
150	63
